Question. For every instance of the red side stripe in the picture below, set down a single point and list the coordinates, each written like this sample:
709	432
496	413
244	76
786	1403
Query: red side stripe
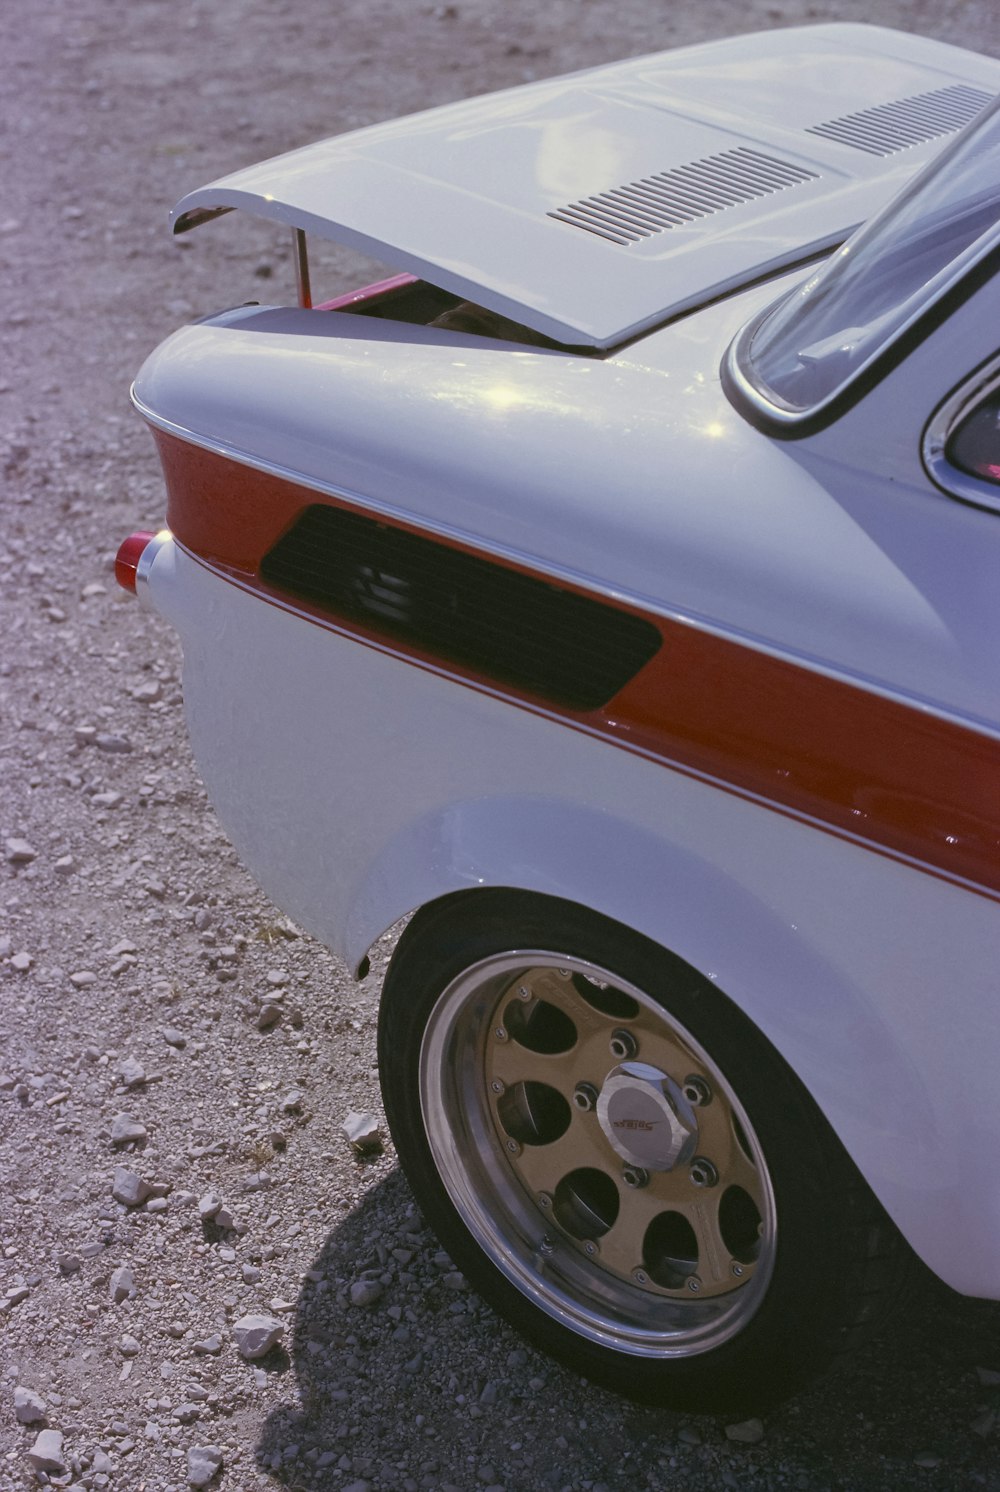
877	769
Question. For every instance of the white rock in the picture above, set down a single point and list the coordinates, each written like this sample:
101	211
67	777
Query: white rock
125	1129
204	1461
210	1347
22	962
256	1335
128	1188
47	1452
20	852
29	1407
128	1346
208	1206
362	1130
366	1292
747	1432
122	1284
133	1074
107	741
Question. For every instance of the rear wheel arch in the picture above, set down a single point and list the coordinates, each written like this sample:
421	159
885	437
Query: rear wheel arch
798	1290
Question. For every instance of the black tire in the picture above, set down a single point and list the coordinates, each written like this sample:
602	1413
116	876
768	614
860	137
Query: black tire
713	1257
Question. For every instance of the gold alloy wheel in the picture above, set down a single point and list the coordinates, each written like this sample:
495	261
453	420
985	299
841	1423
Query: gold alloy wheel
597	1154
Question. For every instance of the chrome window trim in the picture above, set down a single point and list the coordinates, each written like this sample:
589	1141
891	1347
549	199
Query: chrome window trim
737	368
951	479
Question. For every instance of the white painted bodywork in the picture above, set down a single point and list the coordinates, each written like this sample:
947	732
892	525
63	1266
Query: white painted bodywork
461	195
633	475
358	786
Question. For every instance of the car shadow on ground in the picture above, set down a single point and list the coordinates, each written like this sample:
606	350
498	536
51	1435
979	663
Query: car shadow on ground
390	1350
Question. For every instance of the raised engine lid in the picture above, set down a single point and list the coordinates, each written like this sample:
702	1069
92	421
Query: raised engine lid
593	207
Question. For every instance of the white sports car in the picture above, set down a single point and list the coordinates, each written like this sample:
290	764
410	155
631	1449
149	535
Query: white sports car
615	588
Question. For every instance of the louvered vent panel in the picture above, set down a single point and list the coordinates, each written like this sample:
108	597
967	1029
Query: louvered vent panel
886	128
461	609
671	199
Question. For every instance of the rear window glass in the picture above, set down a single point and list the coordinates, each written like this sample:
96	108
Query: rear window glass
874	287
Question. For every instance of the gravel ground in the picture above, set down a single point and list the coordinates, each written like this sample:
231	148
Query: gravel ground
176	1062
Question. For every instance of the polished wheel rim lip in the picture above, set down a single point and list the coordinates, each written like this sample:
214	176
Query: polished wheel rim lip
553	1273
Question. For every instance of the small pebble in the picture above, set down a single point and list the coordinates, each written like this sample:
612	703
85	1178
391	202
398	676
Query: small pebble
122	1284
47	1453
362	1130
203	1463
29	1408
256	1335
128	1188
366	1292
133	1074
20	852
125	1130
746	1432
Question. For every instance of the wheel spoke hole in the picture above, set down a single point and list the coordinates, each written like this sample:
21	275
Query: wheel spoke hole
534	1113
740	1224
605	998
670	1250
586	1203
539	1026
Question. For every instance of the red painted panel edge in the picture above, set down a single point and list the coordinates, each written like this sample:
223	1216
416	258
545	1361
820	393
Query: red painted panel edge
875	769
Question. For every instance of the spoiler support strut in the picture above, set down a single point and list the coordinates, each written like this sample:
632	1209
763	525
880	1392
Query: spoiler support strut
302	269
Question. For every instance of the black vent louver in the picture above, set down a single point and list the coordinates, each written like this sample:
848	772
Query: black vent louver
676	198
886	128
461	609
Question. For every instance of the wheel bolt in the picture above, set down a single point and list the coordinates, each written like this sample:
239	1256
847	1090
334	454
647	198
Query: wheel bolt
523	992
738	1271
635	1176
547	1246
693	1283
585	1097
500	1033
640	1276
544	1200
697	1091
623	1045
590	1247
513	1147
497	1087
703	1173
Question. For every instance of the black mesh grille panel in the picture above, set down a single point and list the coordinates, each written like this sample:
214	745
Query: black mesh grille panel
460	608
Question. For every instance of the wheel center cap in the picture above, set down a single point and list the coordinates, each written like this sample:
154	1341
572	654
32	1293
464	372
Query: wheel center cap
646	1117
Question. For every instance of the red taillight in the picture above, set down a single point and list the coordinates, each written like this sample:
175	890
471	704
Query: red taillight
127	559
